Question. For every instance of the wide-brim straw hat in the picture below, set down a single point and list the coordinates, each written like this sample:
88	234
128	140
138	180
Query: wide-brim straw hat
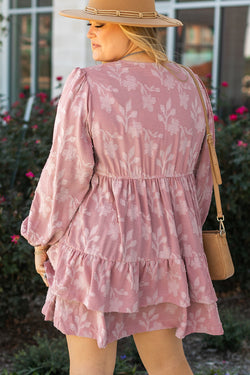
125	12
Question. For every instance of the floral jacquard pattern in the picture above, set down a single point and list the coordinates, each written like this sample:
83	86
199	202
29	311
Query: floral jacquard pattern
121	200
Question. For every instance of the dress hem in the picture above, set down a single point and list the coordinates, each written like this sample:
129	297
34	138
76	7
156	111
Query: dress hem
114	326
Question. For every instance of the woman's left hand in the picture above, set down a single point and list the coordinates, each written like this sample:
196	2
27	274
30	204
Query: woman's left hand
40	258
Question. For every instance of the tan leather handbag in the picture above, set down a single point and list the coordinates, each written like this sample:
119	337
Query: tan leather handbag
215	243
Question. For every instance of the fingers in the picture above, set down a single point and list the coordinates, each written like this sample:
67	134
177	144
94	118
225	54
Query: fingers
40	258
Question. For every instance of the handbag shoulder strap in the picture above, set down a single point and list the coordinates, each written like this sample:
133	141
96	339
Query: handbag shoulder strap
212	153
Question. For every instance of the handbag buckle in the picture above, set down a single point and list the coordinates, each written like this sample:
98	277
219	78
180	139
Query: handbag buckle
221	225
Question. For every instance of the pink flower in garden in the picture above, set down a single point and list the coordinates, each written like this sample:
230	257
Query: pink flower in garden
15	238
30	174
21	95
7	118
34	126
216	118
242	144
2	199
38	141
241	110
209	75
41	111
233	117
42	96
224	84
4	139
209	91
59	78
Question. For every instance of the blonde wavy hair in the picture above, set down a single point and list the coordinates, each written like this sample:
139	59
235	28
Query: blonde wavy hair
146	39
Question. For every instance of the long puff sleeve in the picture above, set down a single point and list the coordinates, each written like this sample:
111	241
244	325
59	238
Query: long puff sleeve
65	179
203	175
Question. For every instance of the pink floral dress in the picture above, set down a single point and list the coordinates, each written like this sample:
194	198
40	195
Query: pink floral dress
121	200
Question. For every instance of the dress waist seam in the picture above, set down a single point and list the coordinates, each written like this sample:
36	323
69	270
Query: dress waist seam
142	177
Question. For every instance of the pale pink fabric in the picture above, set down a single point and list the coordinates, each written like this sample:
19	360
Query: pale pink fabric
122	199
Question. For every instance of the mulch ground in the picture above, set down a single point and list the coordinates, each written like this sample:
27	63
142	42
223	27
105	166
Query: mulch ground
14	335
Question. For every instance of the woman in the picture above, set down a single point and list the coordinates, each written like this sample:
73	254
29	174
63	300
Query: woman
117	215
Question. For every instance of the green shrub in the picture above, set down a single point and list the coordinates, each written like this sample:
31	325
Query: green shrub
236	333
232	145
50	357
46	357
24	149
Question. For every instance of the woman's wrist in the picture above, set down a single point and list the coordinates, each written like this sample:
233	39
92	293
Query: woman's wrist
40	249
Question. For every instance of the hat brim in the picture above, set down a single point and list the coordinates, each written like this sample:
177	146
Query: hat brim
159	21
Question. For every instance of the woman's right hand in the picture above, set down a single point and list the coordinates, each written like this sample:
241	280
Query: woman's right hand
40	258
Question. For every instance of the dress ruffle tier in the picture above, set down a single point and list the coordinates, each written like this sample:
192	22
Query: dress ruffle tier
73	318
109	286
